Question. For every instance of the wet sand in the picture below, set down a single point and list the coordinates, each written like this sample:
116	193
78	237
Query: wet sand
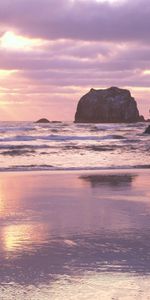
75	235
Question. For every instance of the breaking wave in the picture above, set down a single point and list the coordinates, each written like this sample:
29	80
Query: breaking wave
70	146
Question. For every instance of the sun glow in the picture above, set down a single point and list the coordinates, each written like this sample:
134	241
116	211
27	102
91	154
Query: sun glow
12	41
146	72
112	2
19	236
6	73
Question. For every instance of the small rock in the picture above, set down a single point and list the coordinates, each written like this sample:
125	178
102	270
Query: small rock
43	120
147	130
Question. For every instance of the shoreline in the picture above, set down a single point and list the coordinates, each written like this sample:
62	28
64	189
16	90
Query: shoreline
77	171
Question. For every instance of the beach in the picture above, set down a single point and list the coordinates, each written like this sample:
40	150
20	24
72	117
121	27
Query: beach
75	234
74	150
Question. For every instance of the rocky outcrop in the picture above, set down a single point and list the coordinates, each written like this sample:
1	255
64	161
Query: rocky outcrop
57	122
147	130
112	105
43	120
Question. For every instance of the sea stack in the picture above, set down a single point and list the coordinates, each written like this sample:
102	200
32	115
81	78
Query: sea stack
112	105
43	120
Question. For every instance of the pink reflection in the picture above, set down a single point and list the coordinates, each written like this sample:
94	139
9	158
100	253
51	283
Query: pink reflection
20	237
36	208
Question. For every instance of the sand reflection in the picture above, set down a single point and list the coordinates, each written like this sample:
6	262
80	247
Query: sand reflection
21	229
10	196
23	237
68	223
111	180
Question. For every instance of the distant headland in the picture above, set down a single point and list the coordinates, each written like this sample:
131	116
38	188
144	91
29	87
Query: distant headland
112	105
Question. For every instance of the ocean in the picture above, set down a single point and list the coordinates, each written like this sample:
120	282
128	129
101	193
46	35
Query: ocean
28	146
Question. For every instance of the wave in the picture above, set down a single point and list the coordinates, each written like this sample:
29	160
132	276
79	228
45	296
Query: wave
104	146
60	138
18	152
90	148
19	147
46	167
16	129
31	167
17	138
27	150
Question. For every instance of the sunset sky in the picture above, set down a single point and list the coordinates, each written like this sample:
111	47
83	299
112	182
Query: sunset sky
53	51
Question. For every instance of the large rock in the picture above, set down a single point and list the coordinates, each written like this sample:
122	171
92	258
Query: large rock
112	105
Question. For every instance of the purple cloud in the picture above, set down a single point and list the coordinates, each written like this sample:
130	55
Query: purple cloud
88	44
84	20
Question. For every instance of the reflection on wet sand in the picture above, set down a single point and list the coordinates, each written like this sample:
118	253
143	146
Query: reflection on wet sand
112	180
71	224
106	252
18	237
10	196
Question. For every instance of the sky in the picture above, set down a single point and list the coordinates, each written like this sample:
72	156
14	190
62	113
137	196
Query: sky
52	52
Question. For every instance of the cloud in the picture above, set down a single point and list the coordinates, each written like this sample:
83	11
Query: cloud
68	58
84	20
81	44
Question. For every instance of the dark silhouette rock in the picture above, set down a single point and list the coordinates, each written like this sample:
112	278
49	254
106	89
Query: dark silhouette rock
112	105
43	120
147	130
57	122
141	119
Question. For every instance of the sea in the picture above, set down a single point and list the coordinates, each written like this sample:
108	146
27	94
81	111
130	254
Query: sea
28	146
